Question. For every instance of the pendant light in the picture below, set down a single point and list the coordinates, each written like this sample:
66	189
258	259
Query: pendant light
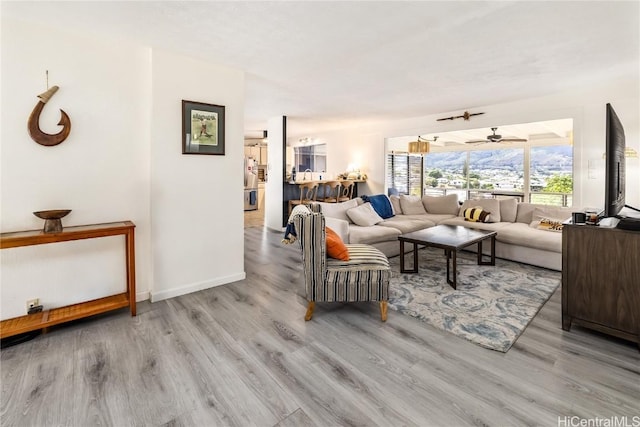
421	146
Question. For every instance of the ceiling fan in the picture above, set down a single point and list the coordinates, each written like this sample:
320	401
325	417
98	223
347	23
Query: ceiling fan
495	138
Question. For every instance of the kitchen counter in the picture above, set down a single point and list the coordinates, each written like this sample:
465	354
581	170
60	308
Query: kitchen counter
292	191
324	181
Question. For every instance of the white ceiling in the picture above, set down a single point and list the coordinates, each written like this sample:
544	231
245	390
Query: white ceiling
344	63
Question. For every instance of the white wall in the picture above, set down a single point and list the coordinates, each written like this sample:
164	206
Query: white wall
121	161
273	187
357	148
101	171
196	200
585	106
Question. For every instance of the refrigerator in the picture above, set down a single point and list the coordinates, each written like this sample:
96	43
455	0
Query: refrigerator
250	184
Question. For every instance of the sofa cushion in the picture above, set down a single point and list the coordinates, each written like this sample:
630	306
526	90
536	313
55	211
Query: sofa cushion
476	215
551	213
459	220
523	235
365	257
508	209
372	234
395	204
364	215
408	223
338	210
525	212
335	246
441	204
490	205
438	218
411	205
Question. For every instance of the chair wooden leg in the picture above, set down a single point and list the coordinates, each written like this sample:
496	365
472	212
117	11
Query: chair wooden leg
383	310
310	308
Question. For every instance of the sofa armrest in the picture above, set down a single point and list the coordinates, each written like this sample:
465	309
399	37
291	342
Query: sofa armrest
340	226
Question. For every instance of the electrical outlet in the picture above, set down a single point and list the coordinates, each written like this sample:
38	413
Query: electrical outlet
32	303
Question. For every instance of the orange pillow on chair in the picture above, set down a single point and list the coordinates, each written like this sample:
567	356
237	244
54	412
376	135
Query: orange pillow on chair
335	246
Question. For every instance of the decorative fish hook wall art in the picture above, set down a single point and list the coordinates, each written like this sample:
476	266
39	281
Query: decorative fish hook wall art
34	128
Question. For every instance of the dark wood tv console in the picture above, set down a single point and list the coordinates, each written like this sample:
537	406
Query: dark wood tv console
601	280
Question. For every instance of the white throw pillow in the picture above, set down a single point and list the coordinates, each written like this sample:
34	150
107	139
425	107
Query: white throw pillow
441	204
395	204
338	210
364	215
411	205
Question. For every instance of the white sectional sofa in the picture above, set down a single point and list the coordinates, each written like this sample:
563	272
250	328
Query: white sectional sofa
519	237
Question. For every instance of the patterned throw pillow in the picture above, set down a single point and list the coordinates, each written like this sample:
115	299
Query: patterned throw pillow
476	214
549	224
335	246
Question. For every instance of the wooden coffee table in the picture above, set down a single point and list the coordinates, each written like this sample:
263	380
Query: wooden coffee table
451	238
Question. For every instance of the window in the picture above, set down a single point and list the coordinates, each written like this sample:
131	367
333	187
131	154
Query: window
313	157
551	175
488	173
446	173
497	172
533	162
404	173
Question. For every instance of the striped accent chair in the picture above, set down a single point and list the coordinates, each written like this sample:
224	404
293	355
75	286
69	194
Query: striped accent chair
365	277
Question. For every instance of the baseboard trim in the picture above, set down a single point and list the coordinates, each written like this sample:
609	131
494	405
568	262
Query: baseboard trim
194	287
142	296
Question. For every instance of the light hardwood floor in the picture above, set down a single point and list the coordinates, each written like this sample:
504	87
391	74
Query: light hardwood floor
241	354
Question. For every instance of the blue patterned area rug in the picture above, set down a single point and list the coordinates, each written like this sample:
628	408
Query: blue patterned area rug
492	305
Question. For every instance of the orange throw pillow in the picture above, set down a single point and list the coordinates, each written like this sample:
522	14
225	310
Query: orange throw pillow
335	246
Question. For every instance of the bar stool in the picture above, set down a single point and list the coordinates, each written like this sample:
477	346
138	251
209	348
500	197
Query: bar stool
307	195
331	192
347	191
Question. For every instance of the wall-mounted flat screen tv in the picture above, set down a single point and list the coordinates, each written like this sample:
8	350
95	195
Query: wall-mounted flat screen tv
614	196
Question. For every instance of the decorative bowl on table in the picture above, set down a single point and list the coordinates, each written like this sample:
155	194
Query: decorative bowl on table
53	219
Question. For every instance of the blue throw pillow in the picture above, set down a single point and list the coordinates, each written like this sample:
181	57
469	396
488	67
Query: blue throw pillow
381	204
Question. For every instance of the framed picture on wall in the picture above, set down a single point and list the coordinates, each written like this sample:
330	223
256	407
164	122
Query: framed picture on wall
202	128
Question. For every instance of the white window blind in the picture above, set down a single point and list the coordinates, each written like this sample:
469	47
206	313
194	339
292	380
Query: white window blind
404	173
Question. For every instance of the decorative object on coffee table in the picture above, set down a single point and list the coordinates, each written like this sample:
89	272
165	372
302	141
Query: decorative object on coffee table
33	124
53	219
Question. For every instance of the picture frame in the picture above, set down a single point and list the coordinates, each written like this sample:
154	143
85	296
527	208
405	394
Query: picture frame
203	128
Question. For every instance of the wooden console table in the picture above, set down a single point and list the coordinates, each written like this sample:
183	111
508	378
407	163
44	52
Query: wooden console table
55	316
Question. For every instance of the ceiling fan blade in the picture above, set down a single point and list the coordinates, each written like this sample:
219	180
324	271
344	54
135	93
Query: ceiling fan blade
476	141
513	140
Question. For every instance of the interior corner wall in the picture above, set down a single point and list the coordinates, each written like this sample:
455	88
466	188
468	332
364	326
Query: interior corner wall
196	200
101	171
